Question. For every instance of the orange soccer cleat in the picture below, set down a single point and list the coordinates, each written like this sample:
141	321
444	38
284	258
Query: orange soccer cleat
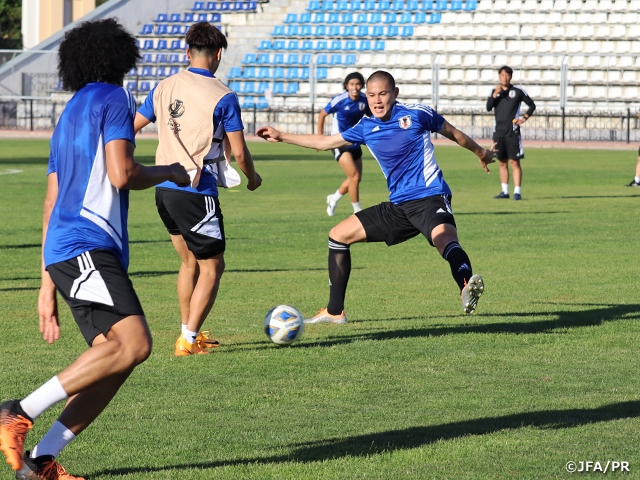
13	430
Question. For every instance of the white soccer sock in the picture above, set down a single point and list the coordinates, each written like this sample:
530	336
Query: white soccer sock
190	336
516	190
184	327
43	398
54	441
505	188
356	207
637	179
337	196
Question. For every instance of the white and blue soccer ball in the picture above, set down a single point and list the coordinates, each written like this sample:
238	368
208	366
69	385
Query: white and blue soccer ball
283	324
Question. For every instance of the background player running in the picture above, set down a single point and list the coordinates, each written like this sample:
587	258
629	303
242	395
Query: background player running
347	109
398	136
85	251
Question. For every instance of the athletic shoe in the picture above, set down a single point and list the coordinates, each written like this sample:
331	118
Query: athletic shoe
205	341
332	203
13	430
502	195
471	293
184	348
323	316
633	183
43	467
517	196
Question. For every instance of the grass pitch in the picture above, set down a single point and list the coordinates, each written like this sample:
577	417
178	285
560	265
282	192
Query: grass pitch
545	372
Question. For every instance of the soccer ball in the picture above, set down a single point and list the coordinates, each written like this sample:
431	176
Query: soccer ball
283	324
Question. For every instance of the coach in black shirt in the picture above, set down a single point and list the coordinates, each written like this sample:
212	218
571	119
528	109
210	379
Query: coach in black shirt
506	100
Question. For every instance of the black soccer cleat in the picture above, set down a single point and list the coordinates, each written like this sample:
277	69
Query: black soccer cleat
43	467
633	183
517	196
502	195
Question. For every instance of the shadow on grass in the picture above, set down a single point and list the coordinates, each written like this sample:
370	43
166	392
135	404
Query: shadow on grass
510	213
229	270
18	289
24	161
23	245
415	437
588	196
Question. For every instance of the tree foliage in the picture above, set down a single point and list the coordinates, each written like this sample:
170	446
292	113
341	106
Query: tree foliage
10	23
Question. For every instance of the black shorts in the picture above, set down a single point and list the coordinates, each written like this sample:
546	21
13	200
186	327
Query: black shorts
393	224
196	217
509	148
356	152
97	289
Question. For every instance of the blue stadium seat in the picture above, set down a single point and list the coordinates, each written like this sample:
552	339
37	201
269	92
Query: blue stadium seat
292	88
147	29
321	60
263	87
235	72
379	45
162	17
173	58
211	6
334	31
355	5
147	57
201	17
278	30
369	5
215	18
305	18
292	30
390	18
341	6
278	45
383	5
278	72
133	72
249	72
313	5
185	59
307	45
441	5
420	17
148	45
249	58
262	103
412	5
251	6
132	86
198	6
348	31
350	60
320	31
470	5
321	45
321	73
176	45
392	31
174	18
335	60
293	45
263	59
161	58
455	5
346	18
224	6
304	75
161	72
363	31
278	59
248	87
305	31
378	31
350	45
291	18
187	18
306	59
176	30
292	59
327	5
336	45
361	18
435	18
264	45
333	18
318	18
264	72
292	73
278	88
376	17
235	86
237	6
146	72
407	31
397	5
248	102
144	87
162	45
365	45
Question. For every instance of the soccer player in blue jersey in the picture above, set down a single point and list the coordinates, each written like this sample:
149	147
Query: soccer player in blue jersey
196	114
85	251
347	109
398	136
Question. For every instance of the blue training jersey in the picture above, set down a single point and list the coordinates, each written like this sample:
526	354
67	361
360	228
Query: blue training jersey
89	212
226	118
402	146
346	112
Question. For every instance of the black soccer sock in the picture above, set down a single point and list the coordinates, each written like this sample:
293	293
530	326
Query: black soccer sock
459	263
339	270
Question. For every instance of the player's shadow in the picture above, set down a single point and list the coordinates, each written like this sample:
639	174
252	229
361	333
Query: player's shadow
578	197
18	289
416	437
511	213
18	162
229	270
20	246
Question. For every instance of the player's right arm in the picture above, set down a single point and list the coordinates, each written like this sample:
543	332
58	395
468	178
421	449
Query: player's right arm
493	99
47	300
452	133
244	159
319	142
321	116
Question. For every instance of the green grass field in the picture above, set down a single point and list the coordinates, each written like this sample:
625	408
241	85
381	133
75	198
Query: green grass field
544	373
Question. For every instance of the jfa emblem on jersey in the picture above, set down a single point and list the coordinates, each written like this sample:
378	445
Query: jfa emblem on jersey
176	109
512	94
361	106
405	122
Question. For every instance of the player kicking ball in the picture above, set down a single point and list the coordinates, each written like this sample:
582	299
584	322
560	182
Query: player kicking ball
398	136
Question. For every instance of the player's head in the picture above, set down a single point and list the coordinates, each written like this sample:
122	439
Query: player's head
205	43
381	94
353	84
96	51
506	73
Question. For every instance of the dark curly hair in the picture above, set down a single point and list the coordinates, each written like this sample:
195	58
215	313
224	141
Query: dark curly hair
353	76
204	38
96	51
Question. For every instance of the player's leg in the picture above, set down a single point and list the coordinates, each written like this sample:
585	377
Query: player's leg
502	156
187	277
636	181
352	168
517	179
334	198
516	153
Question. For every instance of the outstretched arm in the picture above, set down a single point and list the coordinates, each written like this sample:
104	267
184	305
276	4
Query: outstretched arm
319	142
243	158
462	139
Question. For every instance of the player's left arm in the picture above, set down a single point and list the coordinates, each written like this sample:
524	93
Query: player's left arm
140	122
452	133
526	99
319	142
47	299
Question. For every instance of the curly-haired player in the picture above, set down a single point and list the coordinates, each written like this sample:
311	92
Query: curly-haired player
85	246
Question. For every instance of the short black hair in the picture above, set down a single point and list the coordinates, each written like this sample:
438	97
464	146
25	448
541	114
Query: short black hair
96	51
509	70
203	37
353	76
382	75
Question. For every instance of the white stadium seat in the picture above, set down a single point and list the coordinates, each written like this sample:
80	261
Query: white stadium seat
575	5
530	5
619	5
514	6
604	5
546	5
560	5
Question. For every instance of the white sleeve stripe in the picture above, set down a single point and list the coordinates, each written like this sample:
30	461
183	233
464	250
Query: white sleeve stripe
338	98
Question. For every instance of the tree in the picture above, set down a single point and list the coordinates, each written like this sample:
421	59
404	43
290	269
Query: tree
11	24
